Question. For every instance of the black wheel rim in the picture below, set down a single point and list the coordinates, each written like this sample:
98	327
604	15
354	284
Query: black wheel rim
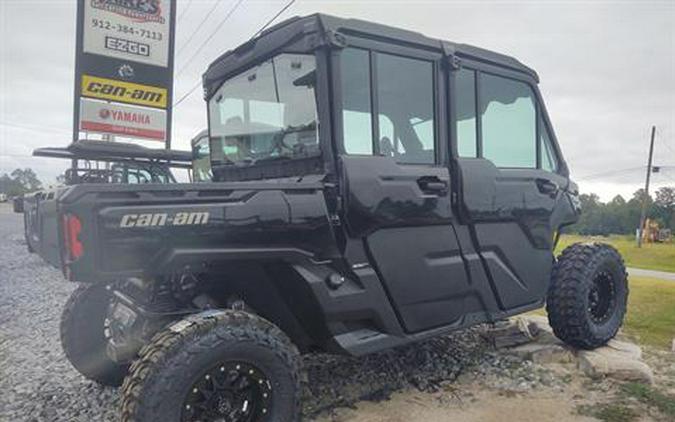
602	297
229	392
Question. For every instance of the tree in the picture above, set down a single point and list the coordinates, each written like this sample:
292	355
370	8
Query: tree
619	216
665	206
19	182
27	178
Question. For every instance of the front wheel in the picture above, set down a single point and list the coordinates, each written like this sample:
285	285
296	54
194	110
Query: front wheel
588	294
216	366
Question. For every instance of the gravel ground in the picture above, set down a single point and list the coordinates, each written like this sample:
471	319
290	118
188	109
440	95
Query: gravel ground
38	384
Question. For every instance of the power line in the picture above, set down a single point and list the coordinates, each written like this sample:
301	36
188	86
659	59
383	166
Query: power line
289	4
195	86
210	37
208	14
610	173
187	94
35	128
668	146
668	177
19	156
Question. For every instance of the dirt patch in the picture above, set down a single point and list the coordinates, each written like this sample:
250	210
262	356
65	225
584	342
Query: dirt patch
471	403
504	387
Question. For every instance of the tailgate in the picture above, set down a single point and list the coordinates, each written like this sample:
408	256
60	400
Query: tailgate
135	231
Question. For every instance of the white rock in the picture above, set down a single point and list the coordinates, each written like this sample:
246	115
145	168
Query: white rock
544	353
673	346
630	349
606	362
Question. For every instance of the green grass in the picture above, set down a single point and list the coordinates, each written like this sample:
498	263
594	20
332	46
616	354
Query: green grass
652	256
651	397
609	412
651	312
618	411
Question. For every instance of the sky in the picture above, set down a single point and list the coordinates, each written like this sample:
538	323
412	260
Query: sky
607	71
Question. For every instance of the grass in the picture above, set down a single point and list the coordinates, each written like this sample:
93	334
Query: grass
618	411
651	312
610	412
652	256
651	397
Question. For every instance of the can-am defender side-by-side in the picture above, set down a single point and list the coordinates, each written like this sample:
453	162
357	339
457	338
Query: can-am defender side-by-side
372	187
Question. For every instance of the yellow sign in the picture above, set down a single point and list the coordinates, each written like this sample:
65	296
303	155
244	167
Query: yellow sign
126	92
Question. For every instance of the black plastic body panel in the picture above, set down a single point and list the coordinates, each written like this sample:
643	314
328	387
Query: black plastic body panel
41	224
245	221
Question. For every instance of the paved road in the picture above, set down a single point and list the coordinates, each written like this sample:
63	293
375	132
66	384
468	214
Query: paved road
664	275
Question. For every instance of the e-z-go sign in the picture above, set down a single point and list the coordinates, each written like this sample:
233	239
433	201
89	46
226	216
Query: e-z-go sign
125	55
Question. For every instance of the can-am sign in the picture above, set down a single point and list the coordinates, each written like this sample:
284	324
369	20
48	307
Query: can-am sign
124	55
117	119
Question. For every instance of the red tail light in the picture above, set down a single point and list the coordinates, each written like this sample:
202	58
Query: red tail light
72	226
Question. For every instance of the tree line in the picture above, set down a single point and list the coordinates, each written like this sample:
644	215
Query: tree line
619	216
19	182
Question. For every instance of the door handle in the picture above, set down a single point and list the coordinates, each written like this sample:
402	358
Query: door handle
547	187
432	185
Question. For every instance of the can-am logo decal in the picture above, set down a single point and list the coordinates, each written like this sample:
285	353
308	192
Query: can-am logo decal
138	10
164	219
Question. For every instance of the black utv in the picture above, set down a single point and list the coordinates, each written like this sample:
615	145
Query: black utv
372	187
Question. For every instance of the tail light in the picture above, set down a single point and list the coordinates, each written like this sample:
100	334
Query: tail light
72	226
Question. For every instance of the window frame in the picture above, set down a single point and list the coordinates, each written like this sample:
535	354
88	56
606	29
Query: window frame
541	115
439	84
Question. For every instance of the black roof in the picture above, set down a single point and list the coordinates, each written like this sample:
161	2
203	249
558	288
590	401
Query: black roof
112	151
323	25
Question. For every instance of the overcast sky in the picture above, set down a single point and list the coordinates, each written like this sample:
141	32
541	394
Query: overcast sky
607	71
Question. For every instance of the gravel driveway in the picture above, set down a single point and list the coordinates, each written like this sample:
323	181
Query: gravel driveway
38	384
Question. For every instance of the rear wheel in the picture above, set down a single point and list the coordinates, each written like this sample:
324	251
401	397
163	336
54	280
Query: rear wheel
82	335
216	366
588	294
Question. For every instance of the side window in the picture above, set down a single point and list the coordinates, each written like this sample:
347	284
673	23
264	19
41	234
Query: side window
465	97
356	110
508	121
547	156
405	94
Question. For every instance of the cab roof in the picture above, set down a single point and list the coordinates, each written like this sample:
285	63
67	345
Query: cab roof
323	27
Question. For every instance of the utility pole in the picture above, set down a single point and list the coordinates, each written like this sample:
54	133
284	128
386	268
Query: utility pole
643	214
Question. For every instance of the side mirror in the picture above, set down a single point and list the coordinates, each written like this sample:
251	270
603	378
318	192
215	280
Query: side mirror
18	204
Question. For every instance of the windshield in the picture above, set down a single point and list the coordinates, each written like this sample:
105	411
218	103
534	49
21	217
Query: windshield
266	113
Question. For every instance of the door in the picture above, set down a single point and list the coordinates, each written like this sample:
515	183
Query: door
396	192
510	186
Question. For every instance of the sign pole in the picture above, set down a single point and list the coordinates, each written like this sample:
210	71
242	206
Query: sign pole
172	44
